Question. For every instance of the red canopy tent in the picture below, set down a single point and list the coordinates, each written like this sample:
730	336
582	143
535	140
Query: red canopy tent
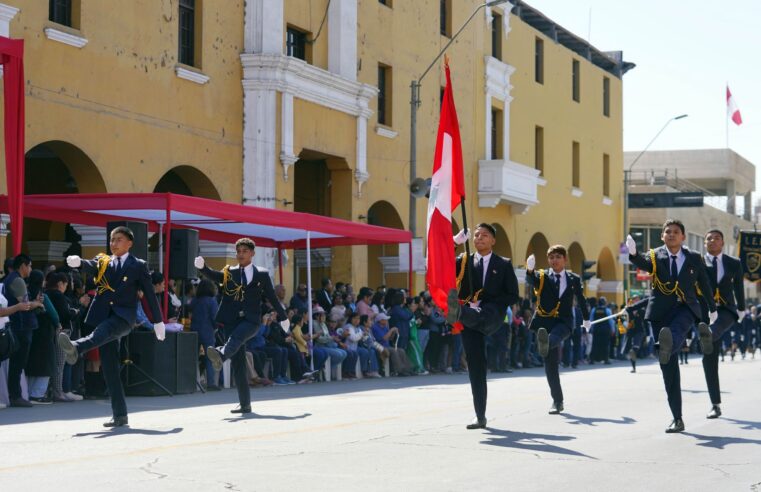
214	220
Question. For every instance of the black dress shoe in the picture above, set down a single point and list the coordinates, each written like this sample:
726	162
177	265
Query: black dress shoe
556	408
477	424
665	344
116	422
453	307
715	412
215	357
677	425
706	338
240	409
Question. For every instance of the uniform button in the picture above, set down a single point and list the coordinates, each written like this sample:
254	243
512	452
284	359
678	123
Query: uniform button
112	303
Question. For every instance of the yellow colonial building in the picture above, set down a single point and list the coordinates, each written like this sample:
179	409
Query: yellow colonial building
305	105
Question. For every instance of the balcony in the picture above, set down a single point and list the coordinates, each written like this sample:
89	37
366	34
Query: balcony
509	182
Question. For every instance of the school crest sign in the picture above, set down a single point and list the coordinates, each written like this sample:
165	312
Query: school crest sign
750	254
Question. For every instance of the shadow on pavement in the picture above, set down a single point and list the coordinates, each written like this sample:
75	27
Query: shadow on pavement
593	421
703	391
120	431
530	442
720	442
745	424
253	416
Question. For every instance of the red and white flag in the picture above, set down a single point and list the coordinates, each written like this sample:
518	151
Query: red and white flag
733	112
447	191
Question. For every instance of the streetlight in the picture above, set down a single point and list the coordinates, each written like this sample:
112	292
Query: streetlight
415	102
627	179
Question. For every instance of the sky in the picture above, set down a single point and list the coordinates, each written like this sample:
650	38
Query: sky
686	52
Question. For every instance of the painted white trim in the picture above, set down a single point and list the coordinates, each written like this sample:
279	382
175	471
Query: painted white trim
64	37
385	131
92	236
7	13
540	180
212	249
342	38
285	73
576	192
191	75
264	28
505	17
509	182
259	150
287	157
607	201
47	250
497	85
360	173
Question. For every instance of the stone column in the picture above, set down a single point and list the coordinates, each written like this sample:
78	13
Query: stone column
342	38
731	195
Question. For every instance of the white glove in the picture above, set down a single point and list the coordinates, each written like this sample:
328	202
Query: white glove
530	263
160	330
74	261
712	317
199	262
285	325
740	315
631	245
586	324
462	237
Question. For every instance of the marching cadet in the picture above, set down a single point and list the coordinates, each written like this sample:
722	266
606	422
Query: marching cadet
725	276
555	290
673	308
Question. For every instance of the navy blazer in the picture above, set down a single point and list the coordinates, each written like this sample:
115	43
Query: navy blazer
692	276
500	287
249	305
731	292
121	298
548	299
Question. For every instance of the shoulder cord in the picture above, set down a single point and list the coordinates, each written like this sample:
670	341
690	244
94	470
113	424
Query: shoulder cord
662	287
101	282
463	265
236	291
540	311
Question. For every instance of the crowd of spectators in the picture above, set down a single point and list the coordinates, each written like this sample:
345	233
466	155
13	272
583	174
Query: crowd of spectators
358	332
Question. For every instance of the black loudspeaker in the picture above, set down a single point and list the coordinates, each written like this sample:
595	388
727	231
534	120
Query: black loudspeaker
183	249
140	243
173	363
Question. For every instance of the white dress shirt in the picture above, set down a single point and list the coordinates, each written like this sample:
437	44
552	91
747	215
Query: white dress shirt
680	258
122	257
476	258
563	281
249	272
719	265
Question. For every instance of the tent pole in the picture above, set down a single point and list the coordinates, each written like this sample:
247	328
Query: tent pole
280	263
410	294
167	232
309	295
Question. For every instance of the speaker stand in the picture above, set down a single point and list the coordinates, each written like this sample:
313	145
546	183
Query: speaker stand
129	362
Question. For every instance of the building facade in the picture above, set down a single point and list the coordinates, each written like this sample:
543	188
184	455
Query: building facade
305	105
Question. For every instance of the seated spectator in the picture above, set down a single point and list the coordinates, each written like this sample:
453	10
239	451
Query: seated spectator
383	334
338	311
303	341
299	301
278	354
204	308
324	340
375	349
351	334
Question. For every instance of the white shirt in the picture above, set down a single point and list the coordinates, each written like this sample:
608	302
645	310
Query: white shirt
476	258
563	281
249	272
122	257
719	265
3	304
679	260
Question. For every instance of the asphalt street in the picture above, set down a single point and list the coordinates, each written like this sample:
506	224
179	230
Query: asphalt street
402	434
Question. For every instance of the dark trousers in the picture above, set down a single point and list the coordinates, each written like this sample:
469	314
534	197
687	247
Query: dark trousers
679	321
106	336
558	333
572	348
711	370
279	358
237	336
475	352
18	361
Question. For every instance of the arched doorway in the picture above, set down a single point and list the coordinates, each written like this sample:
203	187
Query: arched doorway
502	247
575	258
606	266
187	180
56	167
538	247
381	261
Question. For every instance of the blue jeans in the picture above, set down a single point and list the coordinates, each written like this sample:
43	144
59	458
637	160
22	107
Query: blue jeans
336	355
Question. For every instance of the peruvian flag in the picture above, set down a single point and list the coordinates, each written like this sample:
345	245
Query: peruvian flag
732	110
447	191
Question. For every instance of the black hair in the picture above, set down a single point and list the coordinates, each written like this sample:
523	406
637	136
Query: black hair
206	288
245	242
53	277
325	282
716	231
157	277
363	319
21	259
7	265
35	283
675	222
492	230
124	230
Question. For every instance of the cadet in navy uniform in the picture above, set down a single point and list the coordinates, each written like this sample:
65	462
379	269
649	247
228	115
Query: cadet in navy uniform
244	287
673	306
726	278
113	311
483	311
555	290
638	329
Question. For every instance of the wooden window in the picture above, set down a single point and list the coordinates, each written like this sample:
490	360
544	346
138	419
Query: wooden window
64	12
296	43
187	34
497	127
496	36
606	175
539	61
606	96
576	80
445	17
576	165
384	94
539	149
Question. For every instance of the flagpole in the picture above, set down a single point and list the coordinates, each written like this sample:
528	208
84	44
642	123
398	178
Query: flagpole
468	265
726	116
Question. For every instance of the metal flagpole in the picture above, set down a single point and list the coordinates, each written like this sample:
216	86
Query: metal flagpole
309	295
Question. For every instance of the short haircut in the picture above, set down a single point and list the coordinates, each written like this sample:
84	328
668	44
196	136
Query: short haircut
21	259
245	242
675	222
716	231
559	249
206	288
325	282
7	265
157	277
492	230
363	319
125	231
53	277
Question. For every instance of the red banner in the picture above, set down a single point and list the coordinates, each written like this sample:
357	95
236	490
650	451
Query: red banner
12	59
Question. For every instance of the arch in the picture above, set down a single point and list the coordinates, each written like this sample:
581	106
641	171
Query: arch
57	167
575	257
606	265
538	246
383	213
502	247
187	180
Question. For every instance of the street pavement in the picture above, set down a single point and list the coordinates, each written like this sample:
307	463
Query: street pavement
402	434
